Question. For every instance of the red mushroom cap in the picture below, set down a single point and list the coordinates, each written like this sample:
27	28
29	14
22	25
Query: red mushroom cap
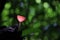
20	18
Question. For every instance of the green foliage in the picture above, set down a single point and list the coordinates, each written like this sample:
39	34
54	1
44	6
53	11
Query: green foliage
45	38
38	1
12	11
46	5
31	13
17	11
36	24
49	13
7	5
4	16
29	31
38	15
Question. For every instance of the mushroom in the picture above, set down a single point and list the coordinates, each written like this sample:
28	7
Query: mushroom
20	20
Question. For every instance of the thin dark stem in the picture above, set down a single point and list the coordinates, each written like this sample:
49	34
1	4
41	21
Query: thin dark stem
19	28
19	32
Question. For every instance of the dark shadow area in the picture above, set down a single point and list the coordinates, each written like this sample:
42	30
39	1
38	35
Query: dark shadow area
7	33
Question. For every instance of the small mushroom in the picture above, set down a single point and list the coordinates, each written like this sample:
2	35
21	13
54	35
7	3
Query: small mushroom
20	20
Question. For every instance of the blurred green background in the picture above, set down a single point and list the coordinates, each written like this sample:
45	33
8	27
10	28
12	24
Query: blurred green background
42	18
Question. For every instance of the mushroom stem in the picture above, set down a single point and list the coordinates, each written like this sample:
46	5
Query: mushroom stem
19	28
